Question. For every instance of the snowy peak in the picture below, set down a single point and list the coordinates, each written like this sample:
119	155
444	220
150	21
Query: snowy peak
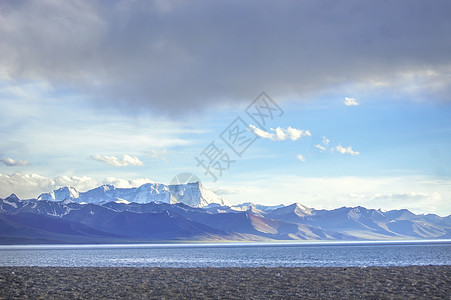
192	194
302	210
296	208
63	193
357	213
249	207
292	213
207	197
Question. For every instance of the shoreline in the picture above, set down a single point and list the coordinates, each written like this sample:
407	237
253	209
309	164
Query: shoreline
231	243
225	283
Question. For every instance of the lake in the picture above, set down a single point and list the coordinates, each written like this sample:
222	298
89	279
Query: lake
312	254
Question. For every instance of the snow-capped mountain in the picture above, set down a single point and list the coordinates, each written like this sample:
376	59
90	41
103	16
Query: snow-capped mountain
120	220
66	192
192	194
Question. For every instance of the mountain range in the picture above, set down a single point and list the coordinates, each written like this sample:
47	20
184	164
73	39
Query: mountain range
189	212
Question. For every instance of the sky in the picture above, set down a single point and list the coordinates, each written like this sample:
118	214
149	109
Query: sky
324	103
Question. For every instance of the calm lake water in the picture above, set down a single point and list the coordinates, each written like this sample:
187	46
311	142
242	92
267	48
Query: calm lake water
231	255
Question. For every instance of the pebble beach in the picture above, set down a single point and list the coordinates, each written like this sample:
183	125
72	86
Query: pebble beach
431	282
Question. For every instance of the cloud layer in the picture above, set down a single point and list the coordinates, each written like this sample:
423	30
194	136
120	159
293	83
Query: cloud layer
12	162
301	158
420	194
177	56
32	185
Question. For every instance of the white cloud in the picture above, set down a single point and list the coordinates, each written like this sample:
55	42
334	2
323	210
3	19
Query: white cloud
346	150
281	134
127	160
325	140
261	133
351	101
301	157
12	162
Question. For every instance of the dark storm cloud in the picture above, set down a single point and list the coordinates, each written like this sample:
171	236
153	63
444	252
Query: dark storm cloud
176	55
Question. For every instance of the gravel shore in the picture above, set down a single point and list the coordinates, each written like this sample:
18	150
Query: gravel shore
431	282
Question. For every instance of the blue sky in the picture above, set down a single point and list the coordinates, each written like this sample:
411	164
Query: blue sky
366	101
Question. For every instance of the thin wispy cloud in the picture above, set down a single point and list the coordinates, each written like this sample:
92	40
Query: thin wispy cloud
320	147
346	150
280	134
324	144
226	191
125	161
351	101
158	154
12	162
301	158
